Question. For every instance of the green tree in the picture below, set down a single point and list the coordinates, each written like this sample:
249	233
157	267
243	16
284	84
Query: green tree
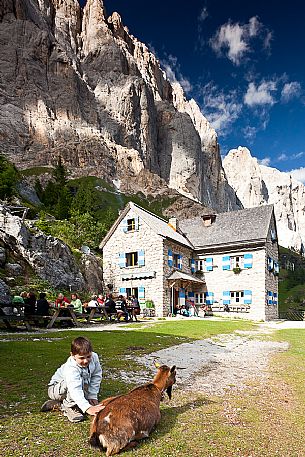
60	174
9	176
85	200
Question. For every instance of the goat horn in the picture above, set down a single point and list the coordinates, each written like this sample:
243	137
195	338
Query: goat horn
157	364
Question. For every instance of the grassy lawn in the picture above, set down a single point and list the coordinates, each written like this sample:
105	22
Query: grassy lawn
266	421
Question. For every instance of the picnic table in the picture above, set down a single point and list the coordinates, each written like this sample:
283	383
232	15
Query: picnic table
63	314
99	311
14	317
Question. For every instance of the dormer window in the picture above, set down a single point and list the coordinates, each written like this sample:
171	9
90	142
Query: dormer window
273	235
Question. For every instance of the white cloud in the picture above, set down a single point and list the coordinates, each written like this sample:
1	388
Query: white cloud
291	90
203	14
283	157
173	72
266	161
298	174
234	39
261	94
250	132
221	109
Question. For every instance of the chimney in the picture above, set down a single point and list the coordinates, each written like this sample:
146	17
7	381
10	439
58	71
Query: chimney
208	219
173	223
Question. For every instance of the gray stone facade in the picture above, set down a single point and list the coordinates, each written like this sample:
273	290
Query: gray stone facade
141	253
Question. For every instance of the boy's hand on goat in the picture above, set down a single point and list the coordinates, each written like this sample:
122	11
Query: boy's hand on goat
93	401
94	409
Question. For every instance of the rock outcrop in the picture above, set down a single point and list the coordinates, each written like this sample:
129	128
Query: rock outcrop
257	185
48	257
77	85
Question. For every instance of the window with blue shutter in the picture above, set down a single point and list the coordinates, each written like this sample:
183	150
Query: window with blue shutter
141	294
276	267
247	297
275	298
209	298
122	260
180	261
170	258
124	225
136	220
270	297
269	264
141	258
193	266
226	262
209	264
248	260
122	291
226	294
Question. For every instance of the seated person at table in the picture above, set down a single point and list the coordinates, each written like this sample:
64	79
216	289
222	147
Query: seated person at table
61	301
135	306
76	303
29	303
110	305
42	305
121	307
75	385
93	303
101	300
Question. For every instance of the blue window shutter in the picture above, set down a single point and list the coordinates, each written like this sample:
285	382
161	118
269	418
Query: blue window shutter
141	292
209	298
191	294
247	297
180	261
269	264
270	297
124	225
122	291
248	260
209	264
136	221
275	298
122	260
170	258
193	266
141	258
276	267
226	295
226	262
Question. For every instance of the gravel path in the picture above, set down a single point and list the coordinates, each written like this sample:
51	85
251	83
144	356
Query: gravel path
213	365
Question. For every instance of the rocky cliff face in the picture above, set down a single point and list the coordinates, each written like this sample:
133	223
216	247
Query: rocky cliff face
257	185
77	85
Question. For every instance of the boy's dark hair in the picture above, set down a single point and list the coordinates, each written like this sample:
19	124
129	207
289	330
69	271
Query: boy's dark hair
81	346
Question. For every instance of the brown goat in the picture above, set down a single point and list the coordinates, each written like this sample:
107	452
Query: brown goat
131	417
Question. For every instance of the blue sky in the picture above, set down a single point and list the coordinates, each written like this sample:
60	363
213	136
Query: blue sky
243	62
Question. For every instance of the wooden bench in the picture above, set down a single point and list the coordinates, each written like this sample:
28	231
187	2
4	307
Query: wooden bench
7	319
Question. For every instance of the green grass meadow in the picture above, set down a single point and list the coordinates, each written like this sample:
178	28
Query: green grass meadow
262	421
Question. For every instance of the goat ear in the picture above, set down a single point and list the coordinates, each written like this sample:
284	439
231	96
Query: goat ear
169	392
173	368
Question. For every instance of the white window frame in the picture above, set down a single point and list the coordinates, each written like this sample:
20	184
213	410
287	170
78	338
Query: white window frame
131	224
199	298
200	265
236	261
236	297
132	259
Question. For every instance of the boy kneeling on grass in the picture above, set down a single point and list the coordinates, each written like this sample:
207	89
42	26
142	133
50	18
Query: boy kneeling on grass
75	385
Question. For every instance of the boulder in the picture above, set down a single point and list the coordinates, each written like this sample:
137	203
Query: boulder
2	256
5	296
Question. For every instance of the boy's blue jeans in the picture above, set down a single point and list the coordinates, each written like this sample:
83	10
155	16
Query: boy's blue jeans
60	392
